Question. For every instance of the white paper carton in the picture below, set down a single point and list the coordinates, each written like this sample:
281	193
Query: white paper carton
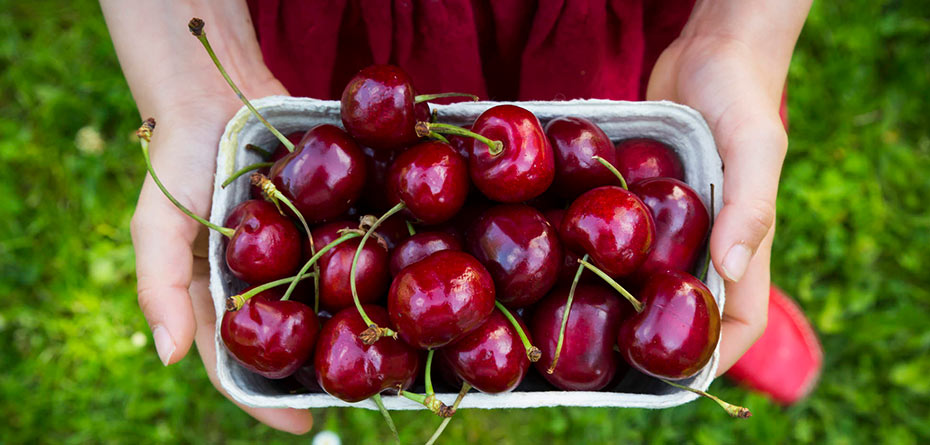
676	125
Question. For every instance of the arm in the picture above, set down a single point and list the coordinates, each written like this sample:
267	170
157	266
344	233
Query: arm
730	63
173	80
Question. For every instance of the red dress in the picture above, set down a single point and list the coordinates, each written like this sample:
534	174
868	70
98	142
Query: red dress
496	49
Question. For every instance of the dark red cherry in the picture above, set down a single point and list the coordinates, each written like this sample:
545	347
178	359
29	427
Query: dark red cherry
372	276
524	169
575	141
378	108
440	298
681	221
268	336
639	159
520	249
676	333
588	361
393	230
569	258
431	179
349	370
491	358
265	246
377	164
324	175
611	225
420	246
255	192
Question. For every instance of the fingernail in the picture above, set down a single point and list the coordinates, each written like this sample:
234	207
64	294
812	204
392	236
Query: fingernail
736	261
164	345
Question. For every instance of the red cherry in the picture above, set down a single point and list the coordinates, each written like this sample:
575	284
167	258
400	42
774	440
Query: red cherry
255	192
524	169
521	251
431	179
611	225
393	231
675	335
681	223
575	141
569	259
324	175
265	246
348	369
420	246
490	358
639	159
441	298
372	276
588	361
378	108
268	336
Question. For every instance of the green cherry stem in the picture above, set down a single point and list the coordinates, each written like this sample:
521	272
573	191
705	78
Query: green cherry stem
427	374
235	302
265	154
707	255
428	97
613	170
732	410
245	170
410	229
532	352
442	426
196	27
387	417
145	136
425	128
613	283
314	261
429	401
438	137
568	308
374	332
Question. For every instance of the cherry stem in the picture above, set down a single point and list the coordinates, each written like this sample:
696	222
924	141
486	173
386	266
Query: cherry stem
374	332
235	302
707	254
613	283
425	128
568	308
261	151
387	416
732	410
430	401
438	137
245	170
428	97
427	374
442	426
410	229
145	136
314	260
612	170
532	352
196	27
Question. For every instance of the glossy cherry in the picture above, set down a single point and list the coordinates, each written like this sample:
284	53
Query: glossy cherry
588	361
392	231
520	249
372	275
569	258
440	298
268	336
490	358
420	246
348	369
266	245
379	110
639	159
681	221
526	166
255	192
676	333
431	179
324	175
575	141
611	225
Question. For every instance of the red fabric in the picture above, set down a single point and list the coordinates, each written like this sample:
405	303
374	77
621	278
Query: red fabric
497	49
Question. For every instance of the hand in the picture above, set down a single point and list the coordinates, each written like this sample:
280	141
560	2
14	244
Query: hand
171	249
739	97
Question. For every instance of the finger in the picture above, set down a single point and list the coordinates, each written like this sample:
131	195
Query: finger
746	310
294	421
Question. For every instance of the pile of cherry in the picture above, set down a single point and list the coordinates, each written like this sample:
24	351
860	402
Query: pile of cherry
591	244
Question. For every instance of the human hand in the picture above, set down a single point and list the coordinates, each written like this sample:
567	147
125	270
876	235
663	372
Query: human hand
739	96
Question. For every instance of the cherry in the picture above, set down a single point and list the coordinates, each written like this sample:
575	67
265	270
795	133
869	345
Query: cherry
391	231
520	249
324	175
675	334
588	361
306	374
419	246
569	258
639	159
441	298
681	223
265	245
268	336
575	141
255	192
352	371
611	225
379	108
490	358
431	180
377	163
372	274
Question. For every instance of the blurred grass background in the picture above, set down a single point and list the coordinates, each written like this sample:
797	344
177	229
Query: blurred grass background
77	363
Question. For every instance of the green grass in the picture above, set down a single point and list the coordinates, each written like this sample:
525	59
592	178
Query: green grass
77	363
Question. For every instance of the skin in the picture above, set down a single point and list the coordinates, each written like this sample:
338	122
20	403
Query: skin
729	63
